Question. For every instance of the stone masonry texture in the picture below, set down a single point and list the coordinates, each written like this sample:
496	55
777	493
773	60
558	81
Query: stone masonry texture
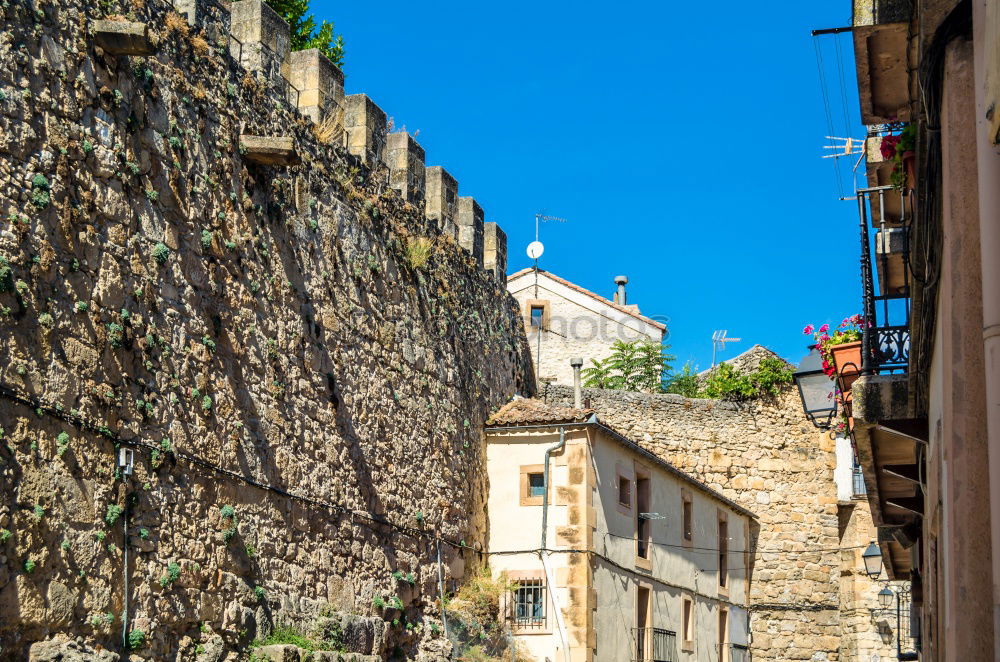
768	458
240	327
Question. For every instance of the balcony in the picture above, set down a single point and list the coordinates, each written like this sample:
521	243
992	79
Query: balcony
655	645
885	56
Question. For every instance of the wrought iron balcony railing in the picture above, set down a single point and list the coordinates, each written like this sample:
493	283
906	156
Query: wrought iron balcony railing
733	653
858	483
655	645
885	279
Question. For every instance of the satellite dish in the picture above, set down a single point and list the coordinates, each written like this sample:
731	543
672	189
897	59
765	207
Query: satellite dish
535	250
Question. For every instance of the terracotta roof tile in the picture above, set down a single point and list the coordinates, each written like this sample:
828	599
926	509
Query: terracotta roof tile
526	411
592	295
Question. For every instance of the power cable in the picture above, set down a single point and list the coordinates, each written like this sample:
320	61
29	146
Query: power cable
826	110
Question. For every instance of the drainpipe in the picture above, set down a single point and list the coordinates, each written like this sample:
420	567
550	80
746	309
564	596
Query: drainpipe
543	550
577	363
620	281
988	168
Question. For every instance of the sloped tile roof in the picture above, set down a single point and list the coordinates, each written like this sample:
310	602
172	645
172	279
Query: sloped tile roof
527	411
592	295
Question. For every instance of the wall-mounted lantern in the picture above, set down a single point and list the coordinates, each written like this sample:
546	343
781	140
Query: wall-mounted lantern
816	390
886	598
872	557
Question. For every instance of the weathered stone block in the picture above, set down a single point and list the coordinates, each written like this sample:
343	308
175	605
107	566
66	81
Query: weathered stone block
264	37
495	251
877	398
405	158
442	199
269	150
366	127
320	83
123	38
470	227
188	9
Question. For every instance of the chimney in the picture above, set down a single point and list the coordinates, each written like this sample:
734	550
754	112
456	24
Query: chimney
577	392
620	281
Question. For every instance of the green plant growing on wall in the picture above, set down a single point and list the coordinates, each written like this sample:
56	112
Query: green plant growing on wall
305	34
116	335
136	639
206	403
259	592
6	276
173	574
40	188
113	513
208	343
81	306
62	443
161	253
227	512
206	239
29	566
418	251
5	536
45	319
38	512
726	383
100	535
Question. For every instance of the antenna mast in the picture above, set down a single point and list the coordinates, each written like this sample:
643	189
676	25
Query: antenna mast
719	341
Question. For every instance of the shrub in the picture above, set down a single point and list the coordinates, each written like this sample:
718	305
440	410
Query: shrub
685	383
641	365
40	191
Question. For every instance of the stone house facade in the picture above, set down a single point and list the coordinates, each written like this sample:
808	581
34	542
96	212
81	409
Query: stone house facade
563	320
809	598
625	576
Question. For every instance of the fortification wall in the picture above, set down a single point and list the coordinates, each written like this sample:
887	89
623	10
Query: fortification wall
222	273
770	459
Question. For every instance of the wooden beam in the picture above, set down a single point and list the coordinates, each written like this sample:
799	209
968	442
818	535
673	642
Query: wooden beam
913	505
905	471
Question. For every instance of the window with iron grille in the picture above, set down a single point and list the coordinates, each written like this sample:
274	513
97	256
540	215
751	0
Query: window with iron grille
529	603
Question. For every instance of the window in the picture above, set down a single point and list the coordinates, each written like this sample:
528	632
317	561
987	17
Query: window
624	491
536	484
642	604
723	635
536	312
687	518
537	315
529	603
643	524
687	634
723	550
532	484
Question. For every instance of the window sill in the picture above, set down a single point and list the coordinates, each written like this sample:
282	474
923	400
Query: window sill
644	564
522	631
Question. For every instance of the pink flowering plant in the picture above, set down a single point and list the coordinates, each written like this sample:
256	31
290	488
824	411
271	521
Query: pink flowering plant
848	331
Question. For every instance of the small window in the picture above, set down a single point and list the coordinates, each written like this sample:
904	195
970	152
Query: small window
537	316
624	491
723	550
688	631
531	486
536	484
688	518
529	603
643	524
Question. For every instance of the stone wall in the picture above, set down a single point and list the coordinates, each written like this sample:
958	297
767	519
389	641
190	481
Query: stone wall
768	458
300	360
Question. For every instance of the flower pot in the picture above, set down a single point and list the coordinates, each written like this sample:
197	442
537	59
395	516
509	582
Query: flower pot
847	359
910	167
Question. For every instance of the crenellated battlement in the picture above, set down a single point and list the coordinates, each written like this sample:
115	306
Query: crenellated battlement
261	44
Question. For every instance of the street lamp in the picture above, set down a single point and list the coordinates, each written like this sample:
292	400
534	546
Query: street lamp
885	598
816	389
872	557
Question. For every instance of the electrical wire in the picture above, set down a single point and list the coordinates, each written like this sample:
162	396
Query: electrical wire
826	110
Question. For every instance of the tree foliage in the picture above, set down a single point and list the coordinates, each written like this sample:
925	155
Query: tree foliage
305	33
685	382
642	365
726	383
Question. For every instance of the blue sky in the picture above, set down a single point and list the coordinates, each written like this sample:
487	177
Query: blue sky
681	140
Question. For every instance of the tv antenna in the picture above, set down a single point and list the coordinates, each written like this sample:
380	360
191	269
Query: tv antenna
849	147
719	341
535	250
